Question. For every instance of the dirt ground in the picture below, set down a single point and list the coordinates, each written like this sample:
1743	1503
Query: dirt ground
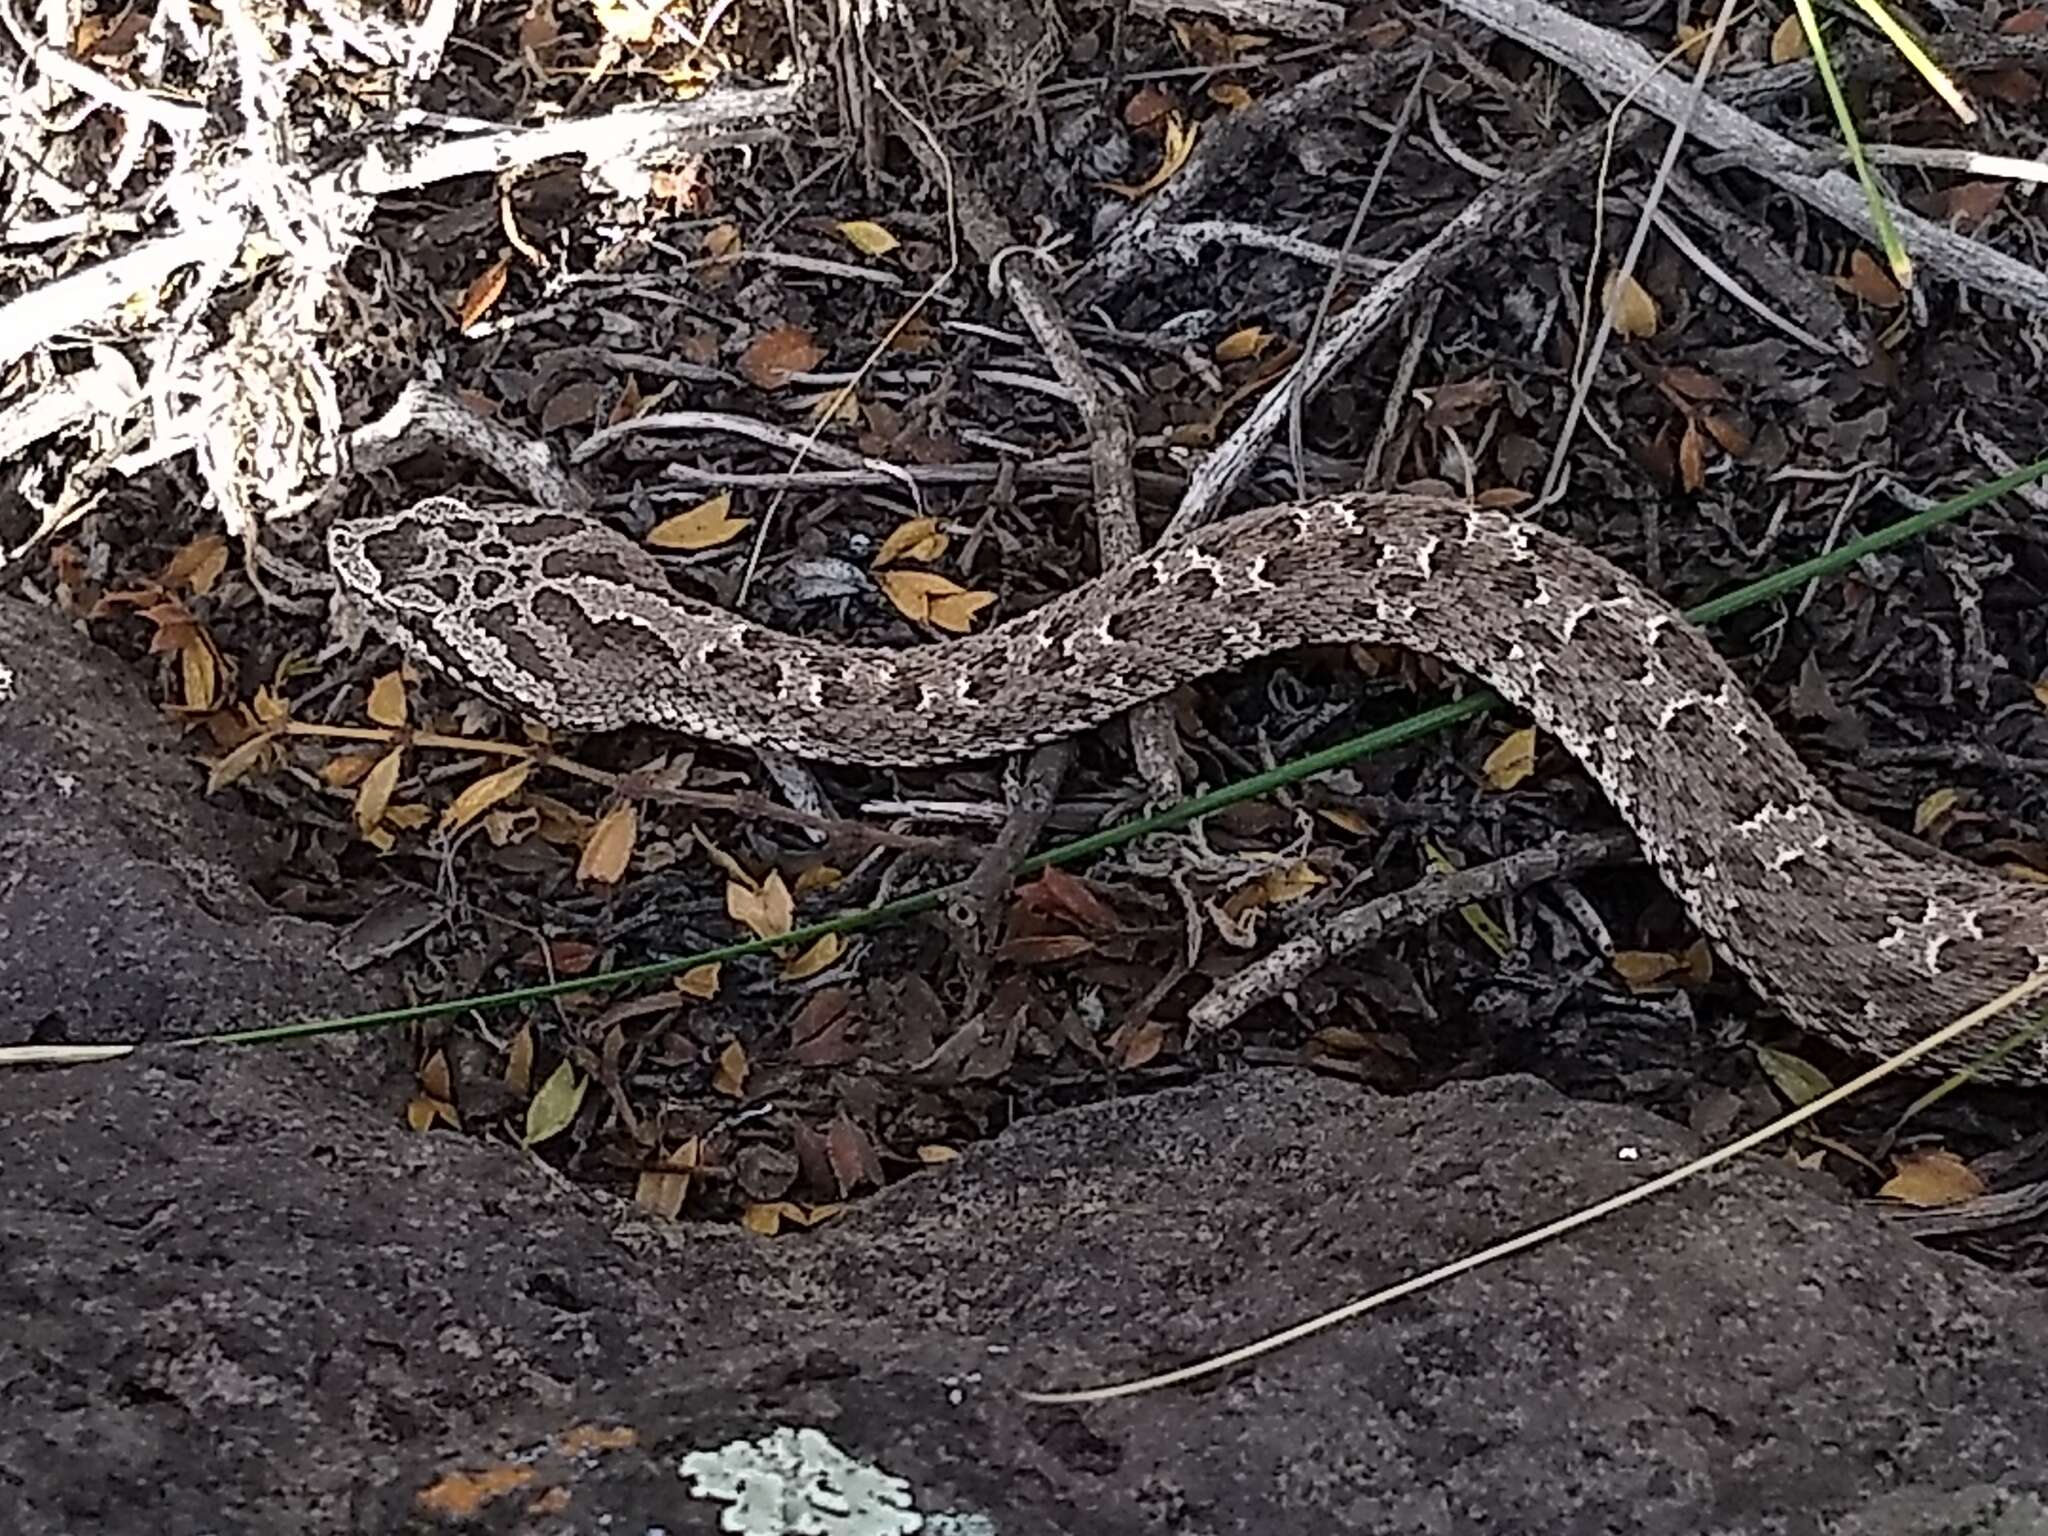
782	346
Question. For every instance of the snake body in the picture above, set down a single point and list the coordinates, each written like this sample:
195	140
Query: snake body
556	615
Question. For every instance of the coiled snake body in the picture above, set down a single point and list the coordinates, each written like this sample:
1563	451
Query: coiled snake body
556	615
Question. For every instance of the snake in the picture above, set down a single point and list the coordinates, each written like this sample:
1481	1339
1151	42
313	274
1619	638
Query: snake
1861	942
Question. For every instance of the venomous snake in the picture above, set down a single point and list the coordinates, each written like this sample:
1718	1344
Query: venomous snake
555	615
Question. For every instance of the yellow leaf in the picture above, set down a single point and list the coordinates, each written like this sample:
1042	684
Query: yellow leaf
918	539
420	1113
1346	820
700	982
662	1190
768	908
1242	344
629	21
912	592
1797	1078
1634	310
1788	40
868	238
238	762
519	1062
1180	143
379	784
764	1220
1228	93
731	1077
387	700
1933	1177
1642	968
485	292
954	612
553	1109
346	769
1513	760
611	845
820	956
722	242
704	526
481	794
1934	808
199	671
819	877
931	1154
408	818
1278	887
2041	691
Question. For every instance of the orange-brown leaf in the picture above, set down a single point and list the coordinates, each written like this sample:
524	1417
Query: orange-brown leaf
774	357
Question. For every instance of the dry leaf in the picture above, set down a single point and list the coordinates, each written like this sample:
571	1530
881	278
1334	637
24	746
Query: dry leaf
954	612
479	796
1692	457
931	1154
722	244
238	762
1140	1046
1278	887
1933	1177
484	293
196	566
373	800
610	847
1643	969
768	908
387	700
775	357
1970	203
1870	282
868	238
704	526
1228	93
2041	691
918	539
662	1190
1513	760
731	1077
1242	344
1180	143
518	1074
1797	1078
915	592
1788	40
1634	310
700	982
820	956
553	1109
1934	808
819	877
1149	105
629	21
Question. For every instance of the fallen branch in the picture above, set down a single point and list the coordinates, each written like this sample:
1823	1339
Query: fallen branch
1428	898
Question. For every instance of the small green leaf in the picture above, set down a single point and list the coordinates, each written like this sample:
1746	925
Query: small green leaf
1797	1078
555	1105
